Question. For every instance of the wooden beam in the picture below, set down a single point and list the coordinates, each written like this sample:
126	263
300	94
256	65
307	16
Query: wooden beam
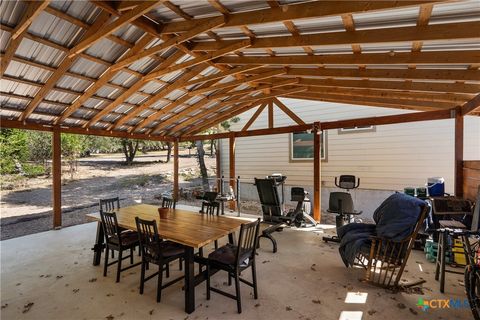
112	27
7	123
389	93
270	114
127	5
391	58
57	178
317	209
371	121
288	112
459	127
200	59
401	74
254	117
220	75
162	93
292	12
236	83
34	8
263	87
106	76
220	105
471	105
211	122
428	33
393	85
369	101
176	153
213	23
61	70
231	149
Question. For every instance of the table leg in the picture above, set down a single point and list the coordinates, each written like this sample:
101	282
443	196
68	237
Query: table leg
223	207
189	281
99	245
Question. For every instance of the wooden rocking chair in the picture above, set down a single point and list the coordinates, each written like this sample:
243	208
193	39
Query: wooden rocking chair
387	259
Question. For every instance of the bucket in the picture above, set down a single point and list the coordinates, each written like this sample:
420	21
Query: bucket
436	187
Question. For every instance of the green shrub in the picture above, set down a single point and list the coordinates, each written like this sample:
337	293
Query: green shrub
33	170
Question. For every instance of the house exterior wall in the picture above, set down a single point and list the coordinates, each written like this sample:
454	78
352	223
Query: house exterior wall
386	160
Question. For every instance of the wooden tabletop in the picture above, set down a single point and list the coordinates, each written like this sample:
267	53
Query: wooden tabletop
186	227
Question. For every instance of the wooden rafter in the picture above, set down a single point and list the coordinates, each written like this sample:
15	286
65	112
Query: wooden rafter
385	74
60	71
219	106
471	105
106	76
112	27
263	87
201	59
34	8
391	58
292	12
271	114
132	90
236	83
213	23
178	83
393	85
465	30
254	117
287	111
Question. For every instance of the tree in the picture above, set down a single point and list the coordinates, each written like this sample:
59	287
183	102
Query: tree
169	152
201	163
130	148
40	147
72	147
13	150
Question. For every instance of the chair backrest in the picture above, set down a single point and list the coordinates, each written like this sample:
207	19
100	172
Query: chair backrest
340	202
247	241
210	196
149	238
110	224
269	198
168	203
110	204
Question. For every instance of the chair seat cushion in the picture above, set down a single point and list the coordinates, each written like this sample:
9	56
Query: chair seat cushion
170	249
227	254
129	237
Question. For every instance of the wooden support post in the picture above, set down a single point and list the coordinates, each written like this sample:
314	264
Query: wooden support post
317	214
218	164
57	179
231	146
270	114
175	170
458	152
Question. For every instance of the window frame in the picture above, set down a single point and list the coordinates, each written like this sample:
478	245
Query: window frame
324	143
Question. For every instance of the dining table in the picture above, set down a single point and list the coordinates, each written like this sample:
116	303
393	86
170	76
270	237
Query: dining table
191	229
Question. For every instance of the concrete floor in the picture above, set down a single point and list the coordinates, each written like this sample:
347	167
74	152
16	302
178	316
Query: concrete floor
50	275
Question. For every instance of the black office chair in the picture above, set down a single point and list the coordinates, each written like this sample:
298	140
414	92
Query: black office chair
235	259
119	241
341	203
157	251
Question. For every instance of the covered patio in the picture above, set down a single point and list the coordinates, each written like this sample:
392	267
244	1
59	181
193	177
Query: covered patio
173	71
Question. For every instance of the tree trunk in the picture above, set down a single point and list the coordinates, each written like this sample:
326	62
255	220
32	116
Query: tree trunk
212	142
169	152
201	163
129	149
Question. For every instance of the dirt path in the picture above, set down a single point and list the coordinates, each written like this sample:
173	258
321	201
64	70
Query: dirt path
28	209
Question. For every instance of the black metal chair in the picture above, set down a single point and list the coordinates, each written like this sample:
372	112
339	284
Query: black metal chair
168	202
209	203
157	251
234	260
117	240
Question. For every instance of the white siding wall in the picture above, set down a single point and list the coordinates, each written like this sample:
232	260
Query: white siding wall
391	158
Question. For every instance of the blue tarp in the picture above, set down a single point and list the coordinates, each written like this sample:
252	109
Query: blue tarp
395	219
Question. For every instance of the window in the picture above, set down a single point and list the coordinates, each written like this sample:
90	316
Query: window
301	146
356	129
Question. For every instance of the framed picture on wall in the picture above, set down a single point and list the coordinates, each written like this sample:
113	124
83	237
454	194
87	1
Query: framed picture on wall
301	146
